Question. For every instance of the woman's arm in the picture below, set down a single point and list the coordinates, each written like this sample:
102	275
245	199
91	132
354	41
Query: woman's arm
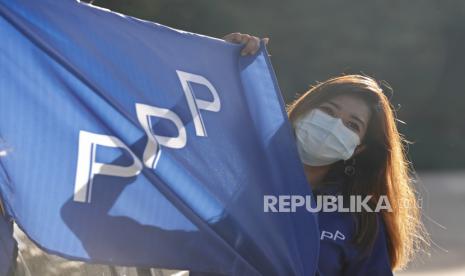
251	43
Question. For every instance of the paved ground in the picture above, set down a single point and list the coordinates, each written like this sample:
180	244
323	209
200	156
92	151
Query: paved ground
444	208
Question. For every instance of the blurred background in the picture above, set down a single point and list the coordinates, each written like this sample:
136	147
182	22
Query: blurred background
416	47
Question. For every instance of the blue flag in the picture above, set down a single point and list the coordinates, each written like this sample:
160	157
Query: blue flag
132	143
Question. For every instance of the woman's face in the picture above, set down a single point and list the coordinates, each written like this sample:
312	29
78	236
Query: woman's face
352	110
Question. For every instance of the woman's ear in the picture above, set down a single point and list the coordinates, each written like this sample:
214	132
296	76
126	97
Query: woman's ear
359	149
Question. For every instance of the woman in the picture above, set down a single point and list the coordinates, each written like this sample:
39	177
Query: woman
349	144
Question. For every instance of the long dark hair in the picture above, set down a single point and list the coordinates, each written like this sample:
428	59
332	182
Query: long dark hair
381	168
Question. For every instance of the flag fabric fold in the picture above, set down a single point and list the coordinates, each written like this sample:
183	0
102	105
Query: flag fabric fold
132	143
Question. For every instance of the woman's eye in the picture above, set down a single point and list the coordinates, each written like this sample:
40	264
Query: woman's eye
327	110
353	126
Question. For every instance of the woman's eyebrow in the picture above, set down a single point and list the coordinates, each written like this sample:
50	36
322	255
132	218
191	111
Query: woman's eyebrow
334	104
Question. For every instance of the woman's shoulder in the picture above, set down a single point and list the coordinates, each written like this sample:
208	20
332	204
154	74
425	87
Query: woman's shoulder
375	260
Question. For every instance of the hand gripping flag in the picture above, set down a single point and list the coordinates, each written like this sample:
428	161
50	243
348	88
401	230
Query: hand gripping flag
132	143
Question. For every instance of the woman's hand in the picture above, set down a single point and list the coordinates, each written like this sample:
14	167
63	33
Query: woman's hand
251	43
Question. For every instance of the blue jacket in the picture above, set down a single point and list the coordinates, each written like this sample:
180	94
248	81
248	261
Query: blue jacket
338	254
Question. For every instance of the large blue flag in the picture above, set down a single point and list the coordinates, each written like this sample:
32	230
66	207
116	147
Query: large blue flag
132	143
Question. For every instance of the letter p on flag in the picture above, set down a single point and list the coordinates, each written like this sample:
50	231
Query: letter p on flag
88	167
196	104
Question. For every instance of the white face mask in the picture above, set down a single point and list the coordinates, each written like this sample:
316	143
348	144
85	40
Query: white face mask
323	140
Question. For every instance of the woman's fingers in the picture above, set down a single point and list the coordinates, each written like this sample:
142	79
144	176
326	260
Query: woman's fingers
266	40
233	37
251	43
